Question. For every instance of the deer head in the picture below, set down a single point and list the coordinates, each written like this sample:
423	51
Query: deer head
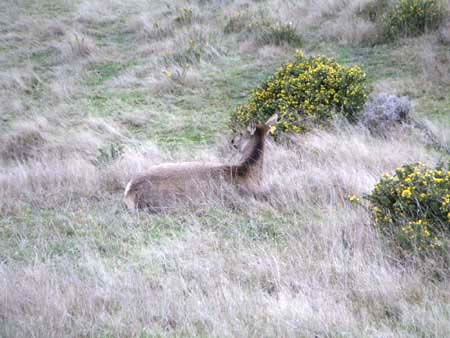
241	140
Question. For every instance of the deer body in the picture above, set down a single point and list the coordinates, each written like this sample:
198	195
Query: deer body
162	184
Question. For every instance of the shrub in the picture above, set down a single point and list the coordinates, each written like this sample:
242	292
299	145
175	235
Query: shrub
412	207
413	17
384	112
305	93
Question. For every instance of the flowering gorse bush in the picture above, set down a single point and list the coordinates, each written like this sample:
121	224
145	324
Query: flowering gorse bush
305	93
413	17
412	207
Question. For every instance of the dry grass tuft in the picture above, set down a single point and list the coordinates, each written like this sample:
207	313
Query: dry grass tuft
342	21
350	30
62	87
78	46
22	143
51	181
56	29
23	80
146	27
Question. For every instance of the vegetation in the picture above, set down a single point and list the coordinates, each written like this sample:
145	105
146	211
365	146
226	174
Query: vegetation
412	207
413	17
306	93
266	31
93	92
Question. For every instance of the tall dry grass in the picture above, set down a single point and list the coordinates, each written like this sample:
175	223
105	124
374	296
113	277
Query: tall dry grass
300	261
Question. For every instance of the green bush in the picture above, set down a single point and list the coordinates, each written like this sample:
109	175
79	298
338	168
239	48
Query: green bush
412	207
305	93
413	17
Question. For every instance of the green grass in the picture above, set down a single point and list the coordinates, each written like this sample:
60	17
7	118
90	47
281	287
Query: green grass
41	56
435	105
242	75
113	103
110	34
48	234
379	62
103	72
186	117
50	8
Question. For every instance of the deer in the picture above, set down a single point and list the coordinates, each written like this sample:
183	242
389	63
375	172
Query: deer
154	189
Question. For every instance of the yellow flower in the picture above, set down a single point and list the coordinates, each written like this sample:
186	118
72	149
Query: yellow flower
406	193
353	198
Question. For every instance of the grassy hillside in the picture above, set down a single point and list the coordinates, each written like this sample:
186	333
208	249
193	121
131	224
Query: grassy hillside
93	92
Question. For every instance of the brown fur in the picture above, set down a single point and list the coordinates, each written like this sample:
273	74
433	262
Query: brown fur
159	187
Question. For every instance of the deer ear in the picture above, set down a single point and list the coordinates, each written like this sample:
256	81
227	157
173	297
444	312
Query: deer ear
272	120
251	128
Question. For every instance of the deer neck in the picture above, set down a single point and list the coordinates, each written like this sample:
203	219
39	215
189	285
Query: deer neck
253	157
